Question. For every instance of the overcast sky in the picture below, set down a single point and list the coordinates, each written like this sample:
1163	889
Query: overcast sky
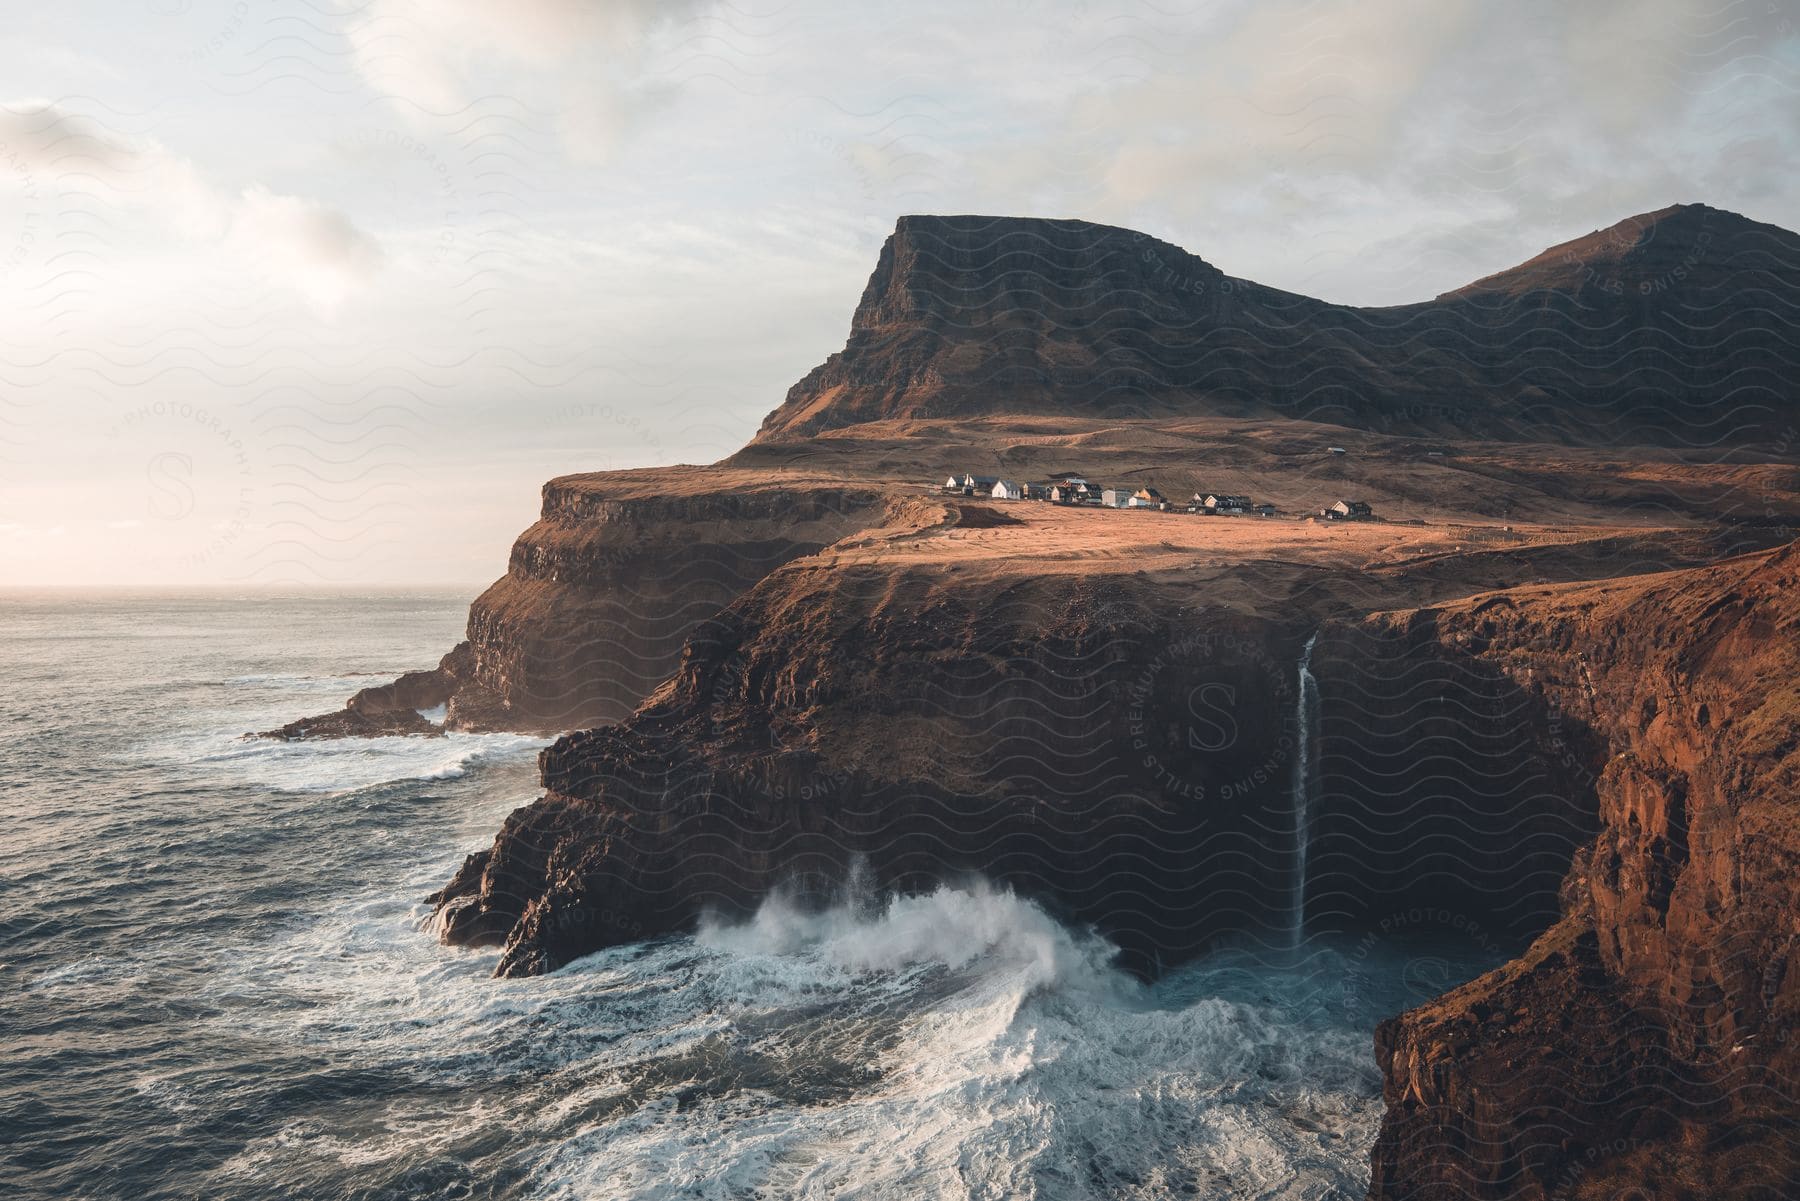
321	292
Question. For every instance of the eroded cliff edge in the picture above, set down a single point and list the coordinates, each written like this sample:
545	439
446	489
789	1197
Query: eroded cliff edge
601	593
1112	732
1650	1040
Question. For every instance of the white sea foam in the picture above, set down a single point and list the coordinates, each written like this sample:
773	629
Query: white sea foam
959	1044
951	928
342	764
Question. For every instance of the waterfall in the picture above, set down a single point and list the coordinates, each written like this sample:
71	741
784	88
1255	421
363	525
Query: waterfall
1306	718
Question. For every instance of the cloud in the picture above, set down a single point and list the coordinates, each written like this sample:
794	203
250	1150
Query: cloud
43	142
289	240
311	246
1285	85
584	59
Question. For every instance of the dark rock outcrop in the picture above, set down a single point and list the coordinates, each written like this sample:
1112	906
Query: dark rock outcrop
1651	1039
922	730
388	709
601	594
1092	740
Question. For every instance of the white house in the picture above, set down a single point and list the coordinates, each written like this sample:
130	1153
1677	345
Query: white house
1006	490
1147	498
1116	498
978	485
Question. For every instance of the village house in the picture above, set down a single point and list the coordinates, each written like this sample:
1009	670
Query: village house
1147	498
1116	498
1073	490
1226	505
1265	509
979	485
1006	490
1348	510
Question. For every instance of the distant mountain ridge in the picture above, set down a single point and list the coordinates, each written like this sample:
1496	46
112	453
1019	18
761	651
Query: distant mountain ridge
1675	327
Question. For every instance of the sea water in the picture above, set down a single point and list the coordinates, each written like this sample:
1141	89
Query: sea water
218	978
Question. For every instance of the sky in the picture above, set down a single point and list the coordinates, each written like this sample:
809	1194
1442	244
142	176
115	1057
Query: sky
319	294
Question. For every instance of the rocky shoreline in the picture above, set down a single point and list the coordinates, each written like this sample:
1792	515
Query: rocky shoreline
1557	706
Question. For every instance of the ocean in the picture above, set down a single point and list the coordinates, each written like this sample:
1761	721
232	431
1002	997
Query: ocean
218	978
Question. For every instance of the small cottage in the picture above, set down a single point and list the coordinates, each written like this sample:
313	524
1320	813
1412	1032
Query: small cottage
1265	510
1227	504
953	484
1006	490
1116	498
1147	498
979	485
1349	510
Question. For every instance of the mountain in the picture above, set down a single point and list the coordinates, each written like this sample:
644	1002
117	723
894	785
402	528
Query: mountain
1673	327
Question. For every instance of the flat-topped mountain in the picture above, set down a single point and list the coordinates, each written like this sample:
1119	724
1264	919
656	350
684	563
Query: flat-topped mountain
1673	327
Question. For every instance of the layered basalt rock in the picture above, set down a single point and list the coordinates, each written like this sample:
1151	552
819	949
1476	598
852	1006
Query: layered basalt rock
1443	787
601	593
917	730
1093	740
1650	1040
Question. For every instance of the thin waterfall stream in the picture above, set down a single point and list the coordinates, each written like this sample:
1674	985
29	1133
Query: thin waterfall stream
1306	721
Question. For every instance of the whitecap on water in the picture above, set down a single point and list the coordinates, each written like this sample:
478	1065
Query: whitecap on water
341	764
961	1043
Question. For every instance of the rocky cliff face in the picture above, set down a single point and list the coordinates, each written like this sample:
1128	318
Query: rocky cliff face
803	663
1649	1040
1092	737
919	729
600	595
602	592
1673	326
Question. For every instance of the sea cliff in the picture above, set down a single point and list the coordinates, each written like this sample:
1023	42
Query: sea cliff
1651	1038
1552	680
